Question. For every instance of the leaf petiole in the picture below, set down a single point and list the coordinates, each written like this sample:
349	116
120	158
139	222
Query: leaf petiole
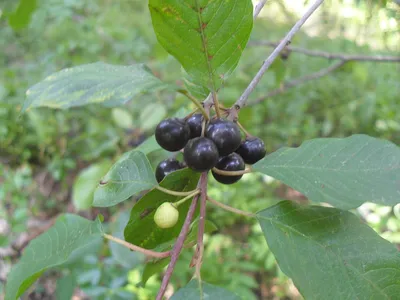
196	192
195	102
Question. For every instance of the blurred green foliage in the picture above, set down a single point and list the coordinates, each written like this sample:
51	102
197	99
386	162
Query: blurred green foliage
357	98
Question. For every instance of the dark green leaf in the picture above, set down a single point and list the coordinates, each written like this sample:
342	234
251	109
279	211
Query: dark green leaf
65	287
210	292
141	229
206	36
22	16
343	172
130	175
85	184
330	253
51	249
103	83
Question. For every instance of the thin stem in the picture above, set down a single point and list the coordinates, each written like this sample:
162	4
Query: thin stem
200	235
216	104
229	208
243	129
191	114
231	173
175	193
195	102
258	8
137	248
177	248
268	62
176	204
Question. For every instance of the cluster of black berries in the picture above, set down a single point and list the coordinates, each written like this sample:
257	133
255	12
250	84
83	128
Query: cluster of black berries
220	147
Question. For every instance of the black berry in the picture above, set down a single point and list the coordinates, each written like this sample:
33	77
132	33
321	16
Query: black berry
225	134
195	124
232	162
172	134
200	154
251	150
167	166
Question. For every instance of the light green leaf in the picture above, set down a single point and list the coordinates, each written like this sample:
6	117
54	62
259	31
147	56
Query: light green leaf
151	115
86	182
210	292
98	82
343	172
330	253
130	175
53	248
154	267
141	229
206	36
122	118
22	15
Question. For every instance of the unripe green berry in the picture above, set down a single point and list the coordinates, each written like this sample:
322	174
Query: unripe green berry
166	215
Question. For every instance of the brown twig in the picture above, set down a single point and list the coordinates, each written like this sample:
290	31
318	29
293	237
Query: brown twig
229	208
177	248
328	55
292	83
137	248
268	62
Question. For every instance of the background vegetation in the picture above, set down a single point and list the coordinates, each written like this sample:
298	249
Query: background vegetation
51	159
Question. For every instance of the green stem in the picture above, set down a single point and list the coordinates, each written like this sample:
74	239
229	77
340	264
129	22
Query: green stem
195	102
231	209
176	204
231	173
174	193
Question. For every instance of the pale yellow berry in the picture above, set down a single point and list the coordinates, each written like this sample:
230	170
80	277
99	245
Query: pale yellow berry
166	215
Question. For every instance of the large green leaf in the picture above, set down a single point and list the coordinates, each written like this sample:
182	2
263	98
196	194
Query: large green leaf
210	292
206	36
92	83
21	17
330	253
141	229
69	235
343	172
130	175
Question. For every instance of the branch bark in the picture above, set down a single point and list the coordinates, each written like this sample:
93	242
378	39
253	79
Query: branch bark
328	55
267	63
299	81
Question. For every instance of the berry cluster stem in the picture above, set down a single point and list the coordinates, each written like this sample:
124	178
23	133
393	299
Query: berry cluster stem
176	204
175	193
243	129
195	102
231	173
229	208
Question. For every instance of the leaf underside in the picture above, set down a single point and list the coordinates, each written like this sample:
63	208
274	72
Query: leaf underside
344	172
330	253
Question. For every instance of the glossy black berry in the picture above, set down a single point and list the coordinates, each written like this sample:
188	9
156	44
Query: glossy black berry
225	134
195	123
167	166
172	134
251	150
232	162
201	154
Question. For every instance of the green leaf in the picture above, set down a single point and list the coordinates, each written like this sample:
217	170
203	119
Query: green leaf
343	172
209	227
154	267
330	253
65	287
53	248
130	175
210	292
141	229
98	82
22	15
122	118
86	183
206	36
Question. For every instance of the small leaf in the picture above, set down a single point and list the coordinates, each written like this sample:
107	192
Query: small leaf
122	118
211	292
53	248
154	267
85	184
330	253
22	16
343	172
130	175
206	36
110	85
65	287
151	115
141	229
